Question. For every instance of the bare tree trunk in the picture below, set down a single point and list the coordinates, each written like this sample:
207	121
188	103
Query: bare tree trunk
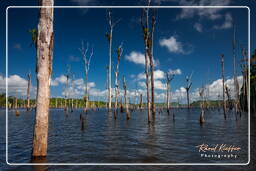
167	98
236	85
66	94
56	103
44	70
141	101
119	53
109	37
151	60
126	100
187	90
223	86
28	92
145	28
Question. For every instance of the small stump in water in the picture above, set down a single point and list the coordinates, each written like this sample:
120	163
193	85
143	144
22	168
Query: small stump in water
17	113
82	121
201	119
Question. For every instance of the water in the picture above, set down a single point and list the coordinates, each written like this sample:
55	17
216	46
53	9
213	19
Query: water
106	140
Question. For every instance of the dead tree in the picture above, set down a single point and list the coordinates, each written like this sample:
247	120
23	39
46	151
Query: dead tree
146	37
189	84
44	71
227	91
66	90
73	88
236	85
141	101
244	67
87	61
223	86
109	36
151	60
202	105
28	91
126	100
169	78
119	53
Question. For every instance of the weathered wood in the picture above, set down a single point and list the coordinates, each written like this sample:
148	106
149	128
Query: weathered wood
169	78
189	84
44	70
119	53
223	86
110	37
126	100
87	61
145	27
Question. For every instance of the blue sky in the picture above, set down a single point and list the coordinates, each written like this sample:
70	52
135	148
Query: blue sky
186	40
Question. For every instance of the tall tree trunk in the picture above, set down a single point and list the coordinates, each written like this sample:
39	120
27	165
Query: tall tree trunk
126	100
109	72
119	53
28	92
187	90
151	61
44	70
145	28
223	86
236	85
141	101
167	98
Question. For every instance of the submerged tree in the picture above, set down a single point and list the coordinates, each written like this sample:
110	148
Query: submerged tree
44	71
126	100
146	37
202	104
244	90
28	91
189	84
119	53
169	78
66	88
236	85
87	61
109	37
223	86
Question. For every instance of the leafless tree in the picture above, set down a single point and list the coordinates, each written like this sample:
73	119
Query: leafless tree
87	61
44	70
223	86
169	77
109	36
126	100
119	54
189	84
236	85
202	95
146	36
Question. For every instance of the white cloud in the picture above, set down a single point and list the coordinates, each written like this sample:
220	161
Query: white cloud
198	27
209	13
138	58
159	85
16	86
228	22
158	74
173	45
